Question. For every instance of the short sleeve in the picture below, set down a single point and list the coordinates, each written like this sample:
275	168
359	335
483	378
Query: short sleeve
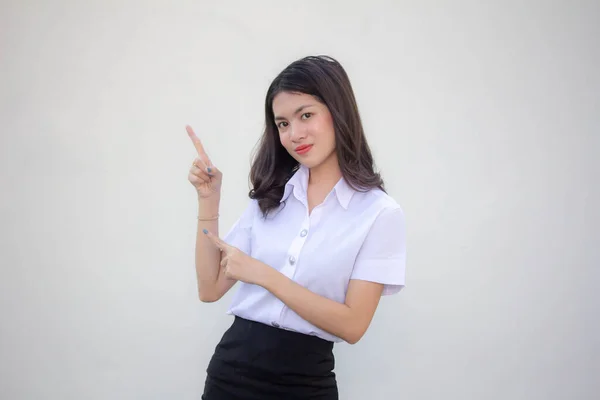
239	234
382	257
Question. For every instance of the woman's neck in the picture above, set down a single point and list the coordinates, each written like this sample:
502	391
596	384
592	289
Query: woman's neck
325	175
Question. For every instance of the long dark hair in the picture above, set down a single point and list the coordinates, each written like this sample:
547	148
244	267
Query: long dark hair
325	79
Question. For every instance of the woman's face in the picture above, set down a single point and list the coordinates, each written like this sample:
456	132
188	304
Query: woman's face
305	128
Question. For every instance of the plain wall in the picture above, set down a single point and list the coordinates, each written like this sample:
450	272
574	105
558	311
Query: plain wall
484	121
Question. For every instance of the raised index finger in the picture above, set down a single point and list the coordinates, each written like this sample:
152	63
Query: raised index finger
197	143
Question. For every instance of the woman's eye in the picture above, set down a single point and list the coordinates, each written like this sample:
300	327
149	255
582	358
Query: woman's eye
282	125
306	115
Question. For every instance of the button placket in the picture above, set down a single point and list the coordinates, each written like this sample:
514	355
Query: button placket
289	268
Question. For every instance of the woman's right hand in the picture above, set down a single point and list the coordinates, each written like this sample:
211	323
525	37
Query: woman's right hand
204	176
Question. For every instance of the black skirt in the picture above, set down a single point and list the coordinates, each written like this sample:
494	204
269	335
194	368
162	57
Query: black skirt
254	361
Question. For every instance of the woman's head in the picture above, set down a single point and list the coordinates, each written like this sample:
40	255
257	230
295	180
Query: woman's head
311	117
305	127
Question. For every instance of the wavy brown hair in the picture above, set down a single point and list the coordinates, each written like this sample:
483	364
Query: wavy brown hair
324	78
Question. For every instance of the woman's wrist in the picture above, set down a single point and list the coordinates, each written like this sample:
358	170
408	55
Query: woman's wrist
208	207
267	276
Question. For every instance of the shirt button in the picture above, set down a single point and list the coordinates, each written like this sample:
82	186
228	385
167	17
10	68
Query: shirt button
303	233
275	324
292	260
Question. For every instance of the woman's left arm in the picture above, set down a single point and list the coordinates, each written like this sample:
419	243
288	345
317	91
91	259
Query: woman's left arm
379	264
348	321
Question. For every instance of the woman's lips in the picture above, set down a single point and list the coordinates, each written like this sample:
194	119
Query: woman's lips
303	149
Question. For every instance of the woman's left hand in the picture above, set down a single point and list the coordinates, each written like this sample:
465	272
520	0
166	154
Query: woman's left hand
237	264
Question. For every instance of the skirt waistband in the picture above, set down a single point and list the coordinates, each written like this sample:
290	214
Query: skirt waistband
258	332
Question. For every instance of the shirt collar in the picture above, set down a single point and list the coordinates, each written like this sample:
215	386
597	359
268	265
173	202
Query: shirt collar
298	184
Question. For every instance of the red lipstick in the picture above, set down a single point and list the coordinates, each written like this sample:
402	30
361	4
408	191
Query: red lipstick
303	149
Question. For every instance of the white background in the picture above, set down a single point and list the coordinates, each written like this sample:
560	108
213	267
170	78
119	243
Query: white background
483	118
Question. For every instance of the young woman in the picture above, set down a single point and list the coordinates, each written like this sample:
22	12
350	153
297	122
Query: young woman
317	246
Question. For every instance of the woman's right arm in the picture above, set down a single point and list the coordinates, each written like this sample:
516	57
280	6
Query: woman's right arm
212	282
206	179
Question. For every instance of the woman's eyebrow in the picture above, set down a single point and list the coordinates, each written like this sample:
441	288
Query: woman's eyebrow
278	118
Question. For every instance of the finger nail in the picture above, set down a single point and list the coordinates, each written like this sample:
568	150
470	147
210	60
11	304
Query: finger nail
209	169
205	231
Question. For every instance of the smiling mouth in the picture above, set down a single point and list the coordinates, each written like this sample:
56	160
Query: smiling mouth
303	149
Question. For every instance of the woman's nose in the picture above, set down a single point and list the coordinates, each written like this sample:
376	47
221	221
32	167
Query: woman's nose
297	132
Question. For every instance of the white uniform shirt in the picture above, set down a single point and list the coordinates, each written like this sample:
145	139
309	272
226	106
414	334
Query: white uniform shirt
351	235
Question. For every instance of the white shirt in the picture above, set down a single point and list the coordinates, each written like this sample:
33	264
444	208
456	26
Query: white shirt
351	235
